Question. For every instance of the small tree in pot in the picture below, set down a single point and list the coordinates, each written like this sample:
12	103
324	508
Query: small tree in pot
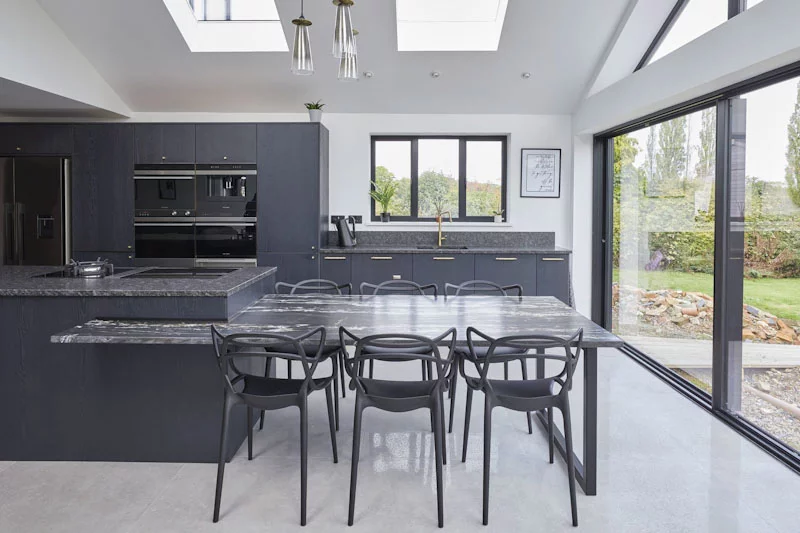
383	192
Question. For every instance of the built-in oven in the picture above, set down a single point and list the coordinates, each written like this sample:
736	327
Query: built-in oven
164	241
226	241
164	190
226	190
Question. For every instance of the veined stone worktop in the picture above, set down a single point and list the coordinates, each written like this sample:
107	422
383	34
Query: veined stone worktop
445	250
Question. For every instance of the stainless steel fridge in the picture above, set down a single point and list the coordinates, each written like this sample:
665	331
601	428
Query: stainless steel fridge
34	195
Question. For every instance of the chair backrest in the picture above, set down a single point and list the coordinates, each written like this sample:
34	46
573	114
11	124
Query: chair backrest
479	287
239	349
528	347
397	286
312	286
394	347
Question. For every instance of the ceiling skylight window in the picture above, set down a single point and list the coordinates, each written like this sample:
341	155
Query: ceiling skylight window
223	10
449	25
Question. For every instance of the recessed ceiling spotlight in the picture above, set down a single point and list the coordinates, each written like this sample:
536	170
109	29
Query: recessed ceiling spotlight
435	74
368	74
526	75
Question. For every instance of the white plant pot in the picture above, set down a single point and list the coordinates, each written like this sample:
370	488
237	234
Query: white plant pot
315	115
498	218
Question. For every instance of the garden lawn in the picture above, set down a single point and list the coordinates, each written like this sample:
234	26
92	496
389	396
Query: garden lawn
781	297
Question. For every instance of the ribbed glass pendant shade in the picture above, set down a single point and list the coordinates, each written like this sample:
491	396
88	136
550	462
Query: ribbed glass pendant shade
343	30
302	62
348	68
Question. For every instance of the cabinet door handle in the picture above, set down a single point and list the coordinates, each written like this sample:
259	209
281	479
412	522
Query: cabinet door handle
505	258
329	258
443	258
552	258
381	257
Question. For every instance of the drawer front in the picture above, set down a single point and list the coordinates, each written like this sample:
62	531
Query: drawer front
336	267
552	276
118	259
292	268
508	269
377	268
441	269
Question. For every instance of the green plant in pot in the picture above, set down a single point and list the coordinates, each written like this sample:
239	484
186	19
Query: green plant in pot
498	215
383	192
315	110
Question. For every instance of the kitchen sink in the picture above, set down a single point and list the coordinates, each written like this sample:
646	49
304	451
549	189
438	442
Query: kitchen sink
432	247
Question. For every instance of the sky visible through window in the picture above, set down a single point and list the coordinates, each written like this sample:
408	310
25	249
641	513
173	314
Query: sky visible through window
697	18
217	10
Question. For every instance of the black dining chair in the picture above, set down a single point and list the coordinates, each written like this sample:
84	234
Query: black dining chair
483	288
400	396
543	393
236	355
318	286
401	287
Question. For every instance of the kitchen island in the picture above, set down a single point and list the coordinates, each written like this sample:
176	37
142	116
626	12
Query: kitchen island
90	403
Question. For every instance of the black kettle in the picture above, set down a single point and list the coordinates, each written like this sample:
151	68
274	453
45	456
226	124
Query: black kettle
347	236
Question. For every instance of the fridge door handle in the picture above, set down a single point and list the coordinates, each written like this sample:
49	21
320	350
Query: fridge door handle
10	240
20	238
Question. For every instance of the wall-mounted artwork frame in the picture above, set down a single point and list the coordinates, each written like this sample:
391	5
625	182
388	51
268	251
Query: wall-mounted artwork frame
541	173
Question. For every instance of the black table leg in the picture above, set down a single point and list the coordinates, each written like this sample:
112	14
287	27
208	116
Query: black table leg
590	421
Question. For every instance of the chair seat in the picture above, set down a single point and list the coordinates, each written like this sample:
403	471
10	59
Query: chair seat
533	388
398	389
481	351
268	387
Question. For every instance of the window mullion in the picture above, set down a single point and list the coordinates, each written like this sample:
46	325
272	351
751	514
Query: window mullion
462	179
414	178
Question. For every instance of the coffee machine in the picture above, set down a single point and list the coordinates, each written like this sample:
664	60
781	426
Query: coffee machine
347	233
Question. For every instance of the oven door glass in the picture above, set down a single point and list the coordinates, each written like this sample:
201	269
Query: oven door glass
164	240
162	193
226	240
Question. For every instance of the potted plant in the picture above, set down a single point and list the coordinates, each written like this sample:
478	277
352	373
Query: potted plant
383	192
498	215
315	110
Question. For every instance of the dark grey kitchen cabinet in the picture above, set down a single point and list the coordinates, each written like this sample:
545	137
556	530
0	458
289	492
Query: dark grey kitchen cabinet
225	143
35	139
291	267
164	143
118	259
508	269
336	267
552	276
292	187
379	267
441	269
102	188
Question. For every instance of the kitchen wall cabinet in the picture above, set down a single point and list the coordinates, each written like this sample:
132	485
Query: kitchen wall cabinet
292	267
508	269
377	268
552	276
441	269
336	267
292	187
35	139
225	143
164	143
118	259
102	188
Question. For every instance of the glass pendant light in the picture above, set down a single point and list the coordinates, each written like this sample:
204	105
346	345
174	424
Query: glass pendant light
348	64
302	62
343	29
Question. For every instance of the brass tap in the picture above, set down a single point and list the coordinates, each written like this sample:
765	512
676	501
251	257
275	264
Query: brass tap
439	220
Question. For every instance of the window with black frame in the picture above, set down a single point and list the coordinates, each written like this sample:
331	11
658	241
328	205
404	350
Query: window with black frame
426	176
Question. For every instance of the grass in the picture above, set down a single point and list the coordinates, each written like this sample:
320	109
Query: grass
781	297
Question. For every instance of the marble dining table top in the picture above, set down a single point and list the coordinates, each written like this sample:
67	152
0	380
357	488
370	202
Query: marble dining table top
495	316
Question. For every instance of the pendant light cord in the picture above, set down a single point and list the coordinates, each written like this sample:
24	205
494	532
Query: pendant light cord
301	9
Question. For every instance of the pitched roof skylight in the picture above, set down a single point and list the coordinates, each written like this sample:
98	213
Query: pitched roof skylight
229	25
449	25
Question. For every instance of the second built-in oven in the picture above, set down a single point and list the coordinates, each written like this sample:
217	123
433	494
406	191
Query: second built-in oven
164	241
228	241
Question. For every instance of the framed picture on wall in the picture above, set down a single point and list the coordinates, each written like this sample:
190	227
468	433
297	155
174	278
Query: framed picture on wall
541	173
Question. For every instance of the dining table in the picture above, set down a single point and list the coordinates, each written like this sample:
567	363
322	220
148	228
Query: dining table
293	315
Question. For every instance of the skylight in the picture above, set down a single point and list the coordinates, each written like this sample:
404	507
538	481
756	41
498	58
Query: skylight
449	25
225	10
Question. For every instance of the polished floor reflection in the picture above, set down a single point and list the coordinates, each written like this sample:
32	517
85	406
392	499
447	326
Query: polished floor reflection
664	465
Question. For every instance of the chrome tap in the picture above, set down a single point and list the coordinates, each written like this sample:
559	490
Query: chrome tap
439	220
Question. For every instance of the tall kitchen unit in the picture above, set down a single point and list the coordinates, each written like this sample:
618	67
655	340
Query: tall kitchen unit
292	198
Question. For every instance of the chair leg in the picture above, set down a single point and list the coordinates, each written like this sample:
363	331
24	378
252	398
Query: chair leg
223	445
335	363
371	368
441	426
424	371
267	370
289	369
341	372
249	433
452	402
466	425
303	460
570	461
439	453
550	436
487	456
524	364
505	370
261	422
329	397
354	461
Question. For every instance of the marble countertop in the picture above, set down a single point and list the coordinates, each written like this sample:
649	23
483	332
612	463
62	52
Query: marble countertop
22	281
362	315
372	249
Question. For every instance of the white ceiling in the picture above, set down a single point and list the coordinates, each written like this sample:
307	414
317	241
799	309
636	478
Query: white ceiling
136	47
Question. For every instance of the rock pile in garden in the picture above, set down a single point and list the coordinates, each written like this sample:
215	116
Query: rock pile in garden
693	314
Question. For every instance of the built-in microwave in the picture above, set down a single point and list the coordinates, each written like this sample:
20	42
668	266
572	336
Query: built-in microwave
226	190
164	190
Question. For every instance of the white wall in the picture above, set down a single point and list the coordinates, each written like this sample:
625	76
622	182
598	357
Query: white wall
582	224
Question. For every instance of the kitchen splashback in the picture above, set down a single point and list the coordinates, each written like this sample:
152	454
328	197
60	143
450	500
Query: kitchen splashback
475	239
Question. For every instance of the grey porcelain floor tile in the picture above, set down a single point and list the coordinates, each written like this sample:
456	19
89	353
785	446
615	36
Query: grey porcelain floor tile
4	465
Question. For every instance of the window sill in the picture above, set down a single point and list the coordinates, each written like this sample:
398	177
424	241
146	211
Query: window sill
445	224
